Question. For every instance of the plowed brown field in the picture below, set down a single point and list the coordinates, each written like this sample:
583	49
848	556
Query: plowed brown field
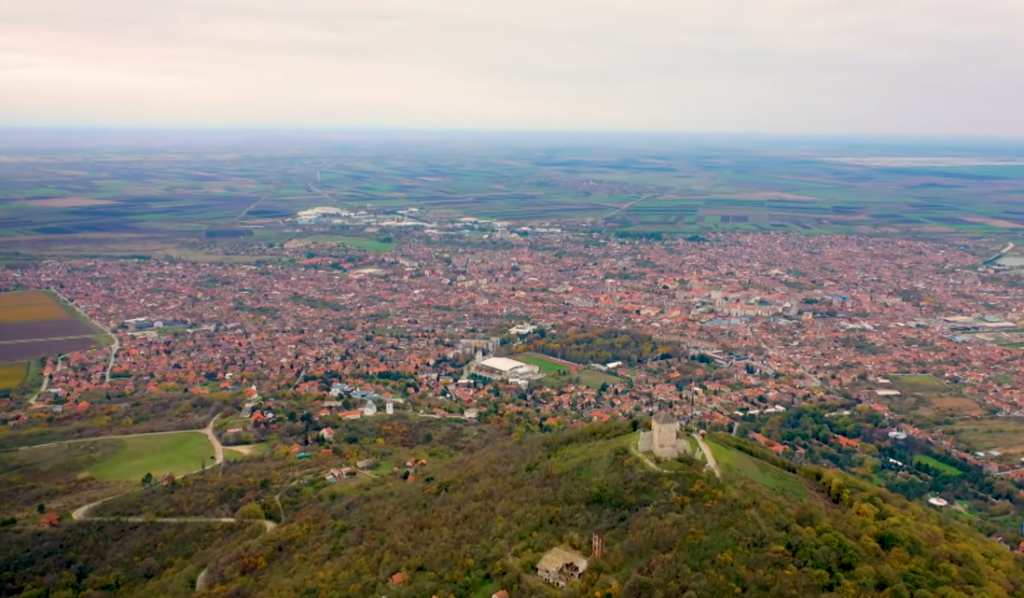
34	324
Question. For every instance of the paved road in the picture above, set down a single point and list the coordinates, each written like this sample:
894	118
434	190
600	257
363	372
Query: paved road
321	192
708	455
113	354
815	381
113	348
46	382
627	206
998	255
256	203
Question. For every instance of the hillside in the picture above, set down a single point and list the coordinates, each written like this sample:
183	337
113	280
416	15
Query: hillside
109	558
482	524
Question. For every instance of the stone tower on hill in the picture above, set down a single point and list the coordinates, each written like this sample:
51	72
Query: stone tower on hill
663	439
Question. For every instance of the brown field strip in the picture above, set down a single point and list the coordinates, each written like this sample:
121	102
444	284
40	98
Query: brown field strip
12	374
34	324
30	306
32	313
22	298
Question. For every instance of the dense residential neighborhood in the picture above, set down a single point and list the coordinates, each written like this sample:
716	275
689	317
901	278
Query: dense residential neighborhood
731	315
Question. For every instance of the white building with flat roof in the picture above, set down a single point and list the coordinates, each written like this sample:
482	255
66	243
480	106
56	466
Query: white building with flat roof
503	368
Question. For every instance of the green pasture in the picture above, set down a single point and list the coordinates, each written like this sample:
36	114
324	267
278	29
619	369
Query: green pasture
737	463
158	454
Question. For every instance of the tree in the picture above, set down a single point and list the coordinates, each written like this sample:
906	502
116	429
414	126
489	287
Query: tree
250	512
147	480
41	508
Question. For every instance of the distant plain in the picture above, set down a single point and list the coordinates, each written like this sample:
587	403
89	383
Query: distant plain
127	197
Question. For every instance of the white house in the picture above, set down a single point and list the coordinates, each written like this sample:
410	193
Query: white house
369	409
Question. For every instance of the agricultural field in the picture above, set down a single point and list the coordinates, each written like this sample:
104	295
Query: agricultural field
35	323
1002	434
135	195
12	374
917	382
30	306
928	399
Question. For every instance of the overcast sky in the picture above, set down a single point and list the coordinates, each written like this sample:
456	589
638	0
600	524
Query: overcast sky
896	67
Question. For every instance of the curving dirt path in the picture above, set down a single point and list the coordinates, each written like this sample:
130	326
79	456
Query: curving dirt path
82	513
708	456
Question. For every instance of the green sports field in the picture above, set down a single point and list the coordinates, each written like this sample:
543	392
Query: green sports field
159	454
547	366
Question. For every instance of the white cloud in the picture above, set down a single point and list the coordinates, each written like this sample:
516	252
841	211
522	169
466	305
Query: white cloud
788	66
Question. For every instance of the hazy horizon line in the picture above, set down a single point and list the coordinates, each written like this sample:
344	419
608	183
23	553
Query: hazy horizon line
387	131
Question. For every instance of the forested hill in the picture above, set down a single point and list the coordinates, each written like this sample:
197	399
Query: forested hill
481	523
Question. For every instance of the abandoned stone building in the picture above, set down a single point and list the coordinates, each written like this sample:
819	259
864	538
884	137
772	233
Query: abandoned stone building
559	566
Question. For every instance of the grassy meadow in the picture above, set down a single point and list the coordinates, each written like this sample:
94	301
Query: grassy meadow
158	454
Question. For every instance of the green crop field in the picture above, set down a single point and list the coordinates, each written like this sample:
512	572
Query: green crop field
158	454
935	463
